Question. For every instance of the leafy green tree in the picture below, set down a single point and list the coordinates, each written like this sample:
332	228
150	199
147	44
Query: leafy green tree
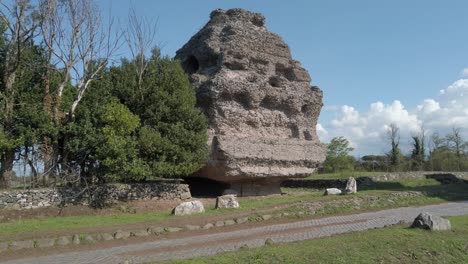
338	158
417	154
17	28
395	156
118	154
173	135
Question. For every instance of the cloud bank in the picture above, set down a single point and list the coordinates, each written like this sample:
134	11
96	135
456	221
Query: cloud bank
366	130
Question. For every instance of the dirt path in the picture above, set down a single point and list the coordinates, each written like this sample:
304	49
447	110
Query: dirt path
210	242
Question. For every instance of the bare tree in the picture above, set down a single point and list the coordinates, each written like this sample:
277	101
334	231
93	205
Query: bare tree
79	44
456	141
19	20
140	37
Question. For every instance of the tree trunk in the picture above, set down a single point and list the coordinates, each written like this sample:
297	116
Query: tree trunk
49	155
6	170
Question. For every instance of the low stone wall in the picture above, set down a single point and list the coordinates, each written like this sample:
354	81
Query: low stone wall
444	177
96	196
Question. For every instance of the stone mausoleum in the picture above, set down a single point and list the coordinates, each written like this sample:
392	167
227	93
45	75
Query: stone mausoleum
261	108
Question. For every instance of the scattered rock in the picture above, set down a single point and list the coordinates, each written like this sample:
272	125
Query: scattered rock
227	202
3	246
25	244
266	217
157	230
76	239
332	191
260	106
119	234
88	239
269	242
188	208
351	185
140	233
185	196
172	229
229	222
219	223
208	226
45	242
192	227
431	222
241	220
63	241
107	236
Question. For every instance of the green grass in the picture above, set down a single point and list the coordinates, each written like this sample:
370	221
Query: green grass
434	193
76	222
344	175
397	244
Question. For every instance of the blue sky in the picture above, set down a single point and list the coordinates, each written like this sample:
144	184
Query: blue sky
377	62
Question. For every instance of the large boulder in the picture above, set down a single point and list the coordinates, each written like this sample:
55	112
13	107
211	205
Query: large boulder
332	191
188	208
431	222
227	202
261	108
351	185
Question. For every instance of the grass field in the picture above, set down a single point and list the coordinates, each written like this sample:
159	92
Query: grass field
398	244
295	200
344	175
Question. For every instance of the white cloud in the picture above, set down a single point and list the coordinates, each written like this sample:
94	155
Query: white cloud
322	133
464	72
366	130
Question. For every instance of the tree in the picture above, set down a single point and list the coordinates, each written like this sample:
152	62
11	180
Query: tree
417	154
81	46
338	158
395	156
18	26
456	143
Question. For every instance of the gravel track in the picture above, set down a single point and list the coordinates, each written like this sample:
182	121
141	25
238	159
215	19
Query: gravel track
214	243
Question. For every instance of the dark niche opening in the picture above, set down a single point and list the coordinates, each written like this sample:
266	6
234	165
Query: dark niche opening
202	187
191	64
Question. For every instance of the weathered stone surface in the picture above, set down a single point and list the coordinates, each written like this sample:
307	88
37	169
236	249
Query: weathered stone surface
431	222
76	239
119	234
208	226
157	230
219	223
351	185
15	245
45	242
229	222
63	241
140	233
188	208
192	227
266	217
104	237
172	229
3	246
242	220
227	202
261	108
98	195
332	191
